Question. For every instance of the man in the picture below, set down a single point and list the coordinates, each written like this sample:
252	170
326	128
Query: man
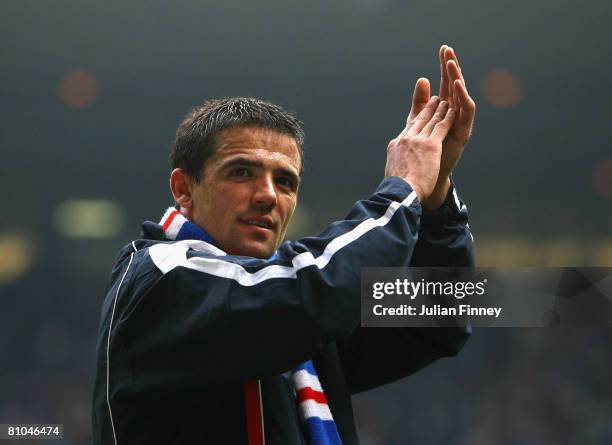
214	332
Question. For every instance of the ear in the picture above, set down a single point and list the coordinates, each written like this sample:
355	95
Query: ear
180	184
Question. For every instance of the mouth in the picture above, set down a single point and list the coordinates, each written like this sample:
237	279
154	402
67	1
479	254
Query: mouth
264	223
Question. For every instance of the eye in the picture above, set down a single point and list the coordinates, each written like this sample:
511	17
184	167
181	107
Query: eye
286	182
241	172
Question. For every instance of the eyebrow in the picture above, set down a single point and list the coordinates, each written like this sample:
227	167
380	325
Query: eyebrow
245	162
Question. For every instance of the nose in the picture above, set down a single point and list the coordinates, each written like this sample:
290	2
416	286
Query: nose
264	195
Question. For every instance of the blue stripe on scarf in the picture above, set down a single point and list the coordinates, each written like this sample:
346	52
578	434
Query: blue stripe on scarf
308	367
191	231
321	432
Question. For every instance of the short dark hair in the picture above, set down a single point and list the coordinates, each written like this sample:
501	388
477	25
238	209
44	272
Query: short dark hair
195	136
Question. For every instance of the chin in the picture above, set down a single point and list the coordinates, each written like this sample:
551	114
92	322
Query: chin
256	251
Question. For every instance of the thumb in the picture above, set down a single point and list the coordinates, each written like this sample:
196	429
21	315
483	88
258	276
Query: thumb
420	97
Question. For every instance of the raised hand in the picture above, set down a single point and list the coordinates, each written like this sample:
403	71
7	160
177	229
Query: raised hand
415	153
453	90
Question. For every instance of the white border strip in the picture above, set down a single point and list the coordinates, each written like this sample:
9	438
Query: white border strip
168	256
458	201
110	327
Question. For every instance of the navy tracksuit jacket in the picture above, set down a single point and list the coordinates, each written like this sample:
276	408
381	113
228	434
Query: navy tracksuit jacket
185	328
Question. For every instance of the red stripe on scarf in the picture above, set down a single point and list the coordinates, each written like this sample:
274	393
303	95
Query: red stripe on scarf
169	220
311	394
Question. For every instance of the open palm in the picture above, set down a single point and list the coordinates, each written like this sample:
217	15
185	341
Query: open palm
453	90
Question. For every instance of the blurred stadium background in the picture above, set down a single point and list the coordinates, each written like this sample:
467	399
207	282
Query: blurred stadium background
91	96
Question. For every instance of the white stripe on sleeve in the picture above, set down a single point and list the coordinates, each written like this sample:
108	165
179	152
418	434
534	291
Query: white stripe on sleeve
168	256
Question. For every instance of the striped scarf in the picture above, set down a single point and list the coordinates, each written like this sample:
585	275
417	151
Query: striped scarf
318	423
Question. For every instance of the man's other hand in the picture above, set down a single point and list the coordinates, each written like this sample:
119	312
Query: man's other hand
452	89
415	153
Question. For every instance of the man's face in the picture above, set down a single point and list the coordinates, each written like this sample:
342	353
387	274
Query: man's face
248	190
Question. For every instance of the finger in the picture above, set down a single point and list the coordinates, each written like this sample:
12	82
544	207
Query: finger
451	55
467	106
453	74
442	128
420	97
453	71
448	56
444	83
425	115
436	118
